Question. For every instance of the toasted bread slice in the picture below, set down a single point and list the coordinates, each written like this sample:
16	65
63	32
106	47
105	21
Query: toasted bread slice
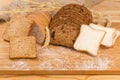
89	40
23	47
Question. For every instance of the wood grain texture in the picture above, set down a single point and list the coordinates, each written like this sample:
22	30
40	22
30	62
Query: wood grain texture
108	58
60	77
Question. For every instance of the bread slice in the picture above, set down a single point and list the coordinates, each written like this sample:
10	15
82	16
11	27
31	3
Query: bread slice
41	21
89	40
23	47
19	26
110	37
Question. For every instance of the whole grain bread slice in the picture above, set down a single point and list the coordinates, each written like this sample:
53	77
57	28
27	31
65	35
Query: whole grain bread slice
19	26
23	47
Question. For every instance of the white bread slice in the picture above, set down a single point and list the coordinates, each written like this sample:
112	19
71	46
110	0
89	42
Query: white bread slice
110	37
89	40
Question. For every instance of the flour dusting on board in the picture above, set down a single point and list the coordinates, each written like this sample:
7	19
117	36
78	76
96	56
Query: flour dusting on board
20	65
101	64
61	58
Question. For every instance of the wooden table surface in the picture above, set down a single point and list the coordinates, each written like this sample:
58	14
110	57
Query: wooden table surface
109	7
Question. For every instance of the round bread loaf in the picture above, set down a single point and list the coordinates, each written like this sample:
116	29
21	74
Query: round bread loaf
65	24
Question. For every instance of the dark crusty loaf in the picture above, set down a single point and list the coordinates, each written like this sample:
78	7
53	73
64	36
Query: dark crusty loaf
66	23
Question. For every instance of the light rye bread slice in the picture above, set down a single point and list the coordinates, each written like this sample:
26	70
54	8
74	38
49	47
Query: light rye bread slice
41	21
19	26
23	47
89	40
110	37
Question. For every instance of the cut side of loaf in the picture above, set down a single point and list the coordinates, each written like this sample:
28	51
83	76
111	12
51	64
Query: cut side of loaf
19	26
41	21
89	40
110	37
39	33
23	47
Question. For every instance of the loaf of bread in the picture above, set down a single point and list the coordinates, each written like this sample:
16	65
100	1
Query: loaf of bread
89	40
23	47
65	24
19	26
41	21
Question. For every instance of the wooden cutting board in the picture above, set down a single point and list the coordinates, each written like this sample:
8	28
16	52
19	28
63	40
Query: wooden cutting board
61	60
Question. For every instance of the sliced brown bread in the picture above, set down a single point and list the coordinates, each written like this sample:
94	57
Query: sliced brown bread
41	21
65	34
19	26
23	47
65	19
65	25
72	13
75	8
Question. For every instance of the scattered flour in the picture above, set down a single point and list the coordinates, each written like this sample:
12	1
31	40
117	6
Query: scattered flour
20	65
60	60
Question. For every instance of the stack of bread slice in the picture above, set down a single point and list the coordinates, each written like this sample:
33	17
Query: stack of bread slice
110	37
40	29
66	23
92	36
24	31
